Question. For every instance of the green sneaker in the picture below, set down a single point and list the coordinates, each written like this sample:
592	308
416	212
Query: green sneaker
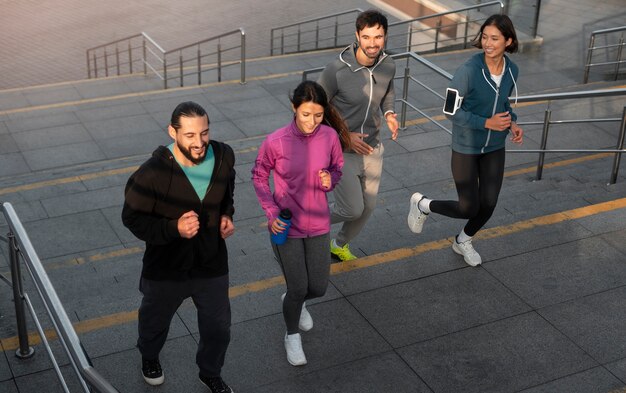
343	253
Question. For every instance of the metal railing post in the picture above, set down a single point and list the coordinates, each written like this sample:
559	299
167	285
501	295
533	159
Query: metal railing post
180	65
117	59
144	59
410	40
199	67
544	142
164	72
620	146
282	41
272	42
106	63
243	58
619	56
130	58
24	351
317	34
405	96
336	30
589	54
536	22
219	62
437	35
467	21
88	66
299	34
95	65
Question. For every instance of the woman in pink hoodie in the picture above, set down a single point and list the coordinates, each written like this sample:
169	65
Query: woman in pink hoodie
306	158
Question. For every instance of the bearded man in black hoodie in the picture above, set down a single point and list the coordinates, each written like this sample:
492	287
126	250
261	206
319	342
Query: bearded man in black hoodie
180	202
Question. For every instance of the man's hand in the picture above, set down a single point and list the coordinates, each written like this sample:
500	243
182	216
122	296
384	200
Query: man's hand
227	227
188	225
360	147
392	123
499	122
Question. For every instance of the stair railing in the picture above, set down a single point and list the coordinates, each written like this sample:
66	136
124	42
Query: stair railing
129	55
433	112
324	32
606	49
190	60
140	53
21	248
451	29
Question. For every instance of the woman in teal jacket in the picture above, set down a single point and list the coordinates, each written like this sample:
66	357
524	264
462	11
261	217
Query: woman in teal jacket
479	130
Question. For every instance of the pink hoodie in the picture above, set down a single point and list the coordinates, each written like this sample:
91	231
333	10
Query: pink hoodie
296	160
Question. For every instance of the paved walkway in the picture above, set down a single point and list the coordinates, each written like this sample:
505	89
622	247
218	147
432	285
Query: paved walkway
544	313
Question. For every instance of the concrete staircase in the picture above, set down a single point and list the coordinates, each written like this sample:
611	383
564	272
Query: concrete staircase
66	151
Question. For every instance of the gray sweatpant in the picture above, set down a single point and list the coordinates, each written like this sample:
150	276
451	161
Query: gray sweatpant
356	193
306	265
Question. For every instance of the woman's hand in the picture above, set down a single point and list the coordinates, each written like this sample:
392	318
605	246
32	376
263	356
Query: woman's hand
325	179
499	122
517	134
278	226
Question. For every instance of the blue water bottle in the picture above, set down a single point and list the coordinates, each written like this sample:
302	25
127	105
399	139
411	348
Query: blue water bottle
281	238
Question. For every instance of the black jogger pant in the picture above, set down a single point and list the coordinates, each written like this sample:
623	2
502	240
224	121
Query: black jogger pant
478	179
160	301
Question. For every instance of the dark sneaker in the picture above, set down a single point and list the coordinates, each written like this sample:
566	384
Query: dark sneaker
152	372
215	384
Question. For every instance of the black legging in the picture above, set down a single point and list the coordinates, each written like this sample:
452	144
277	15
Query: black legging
478	179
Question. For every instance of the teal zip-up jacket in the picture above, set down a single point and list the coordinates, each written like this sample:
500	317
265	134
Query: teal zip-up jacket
481	100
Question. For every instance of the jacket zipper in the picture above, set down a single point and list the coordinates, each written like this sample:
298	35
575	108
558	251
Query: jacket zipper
493	110
369	101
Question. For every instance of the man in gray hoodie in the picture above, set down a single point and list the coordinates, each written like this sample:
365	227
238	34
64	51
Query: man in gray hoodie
360	85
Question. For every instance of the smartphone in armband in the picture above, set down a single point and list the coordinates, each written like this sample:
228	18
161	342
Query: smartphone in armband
453	101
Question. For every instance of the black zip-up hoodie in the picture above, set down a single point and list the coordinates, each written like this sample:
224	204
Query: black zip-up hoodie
157	194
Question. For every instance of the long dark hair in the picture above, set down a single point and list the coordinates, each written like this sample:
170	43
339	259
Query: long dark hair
309	91
505	25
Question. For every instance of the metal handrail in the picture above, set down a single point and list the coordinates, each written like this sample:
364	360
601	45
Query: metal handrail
549	97
150	49
618	59
93	56
465	21
334	37
21	246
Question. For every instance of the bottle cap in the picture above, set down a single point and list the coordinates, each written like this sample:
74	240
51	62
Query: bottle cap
286	214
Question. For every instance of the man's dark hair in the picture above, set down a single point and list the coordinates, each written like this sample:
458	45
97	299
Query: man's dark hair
505	25
186	109
371	18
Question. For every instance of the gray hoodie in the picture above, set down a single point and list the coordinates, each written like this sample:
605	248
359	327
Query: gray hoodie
360	93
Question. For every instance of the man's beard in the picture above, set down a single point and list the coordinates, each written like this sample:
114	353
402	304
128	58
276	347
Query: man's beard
190	157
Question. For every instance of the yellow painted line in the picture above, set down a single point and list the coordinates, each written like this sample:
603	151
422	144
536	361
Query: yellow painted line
12	343
571	161
66	180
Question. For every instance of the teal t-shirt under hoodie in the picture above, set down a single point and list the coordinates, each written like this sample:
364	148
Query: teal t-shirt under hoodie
199	175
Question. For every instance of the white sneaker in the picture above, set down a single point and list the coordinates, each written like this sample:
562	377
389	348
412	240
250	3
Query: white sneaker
416	216
466	249
293	346
306	321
